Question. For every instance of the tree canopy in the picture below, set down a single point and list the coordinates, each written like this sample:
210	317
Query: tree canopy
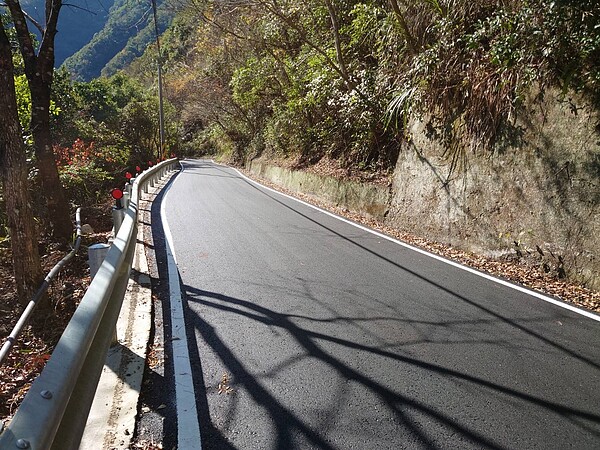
342	78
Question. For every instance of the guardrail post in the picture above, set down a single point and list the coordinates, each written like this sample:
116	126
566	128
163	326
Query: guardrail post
118	214
96	255
126	195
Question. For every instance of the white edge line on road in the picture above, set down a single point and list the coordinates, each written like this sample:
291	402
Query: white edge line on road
188	426
588	314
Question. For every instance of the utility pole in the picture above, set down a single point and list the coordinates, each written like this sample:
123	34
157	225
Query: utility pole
161	117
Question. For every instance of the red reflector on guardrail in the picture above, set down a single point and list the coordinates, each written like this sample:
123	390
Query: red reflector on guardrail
117	194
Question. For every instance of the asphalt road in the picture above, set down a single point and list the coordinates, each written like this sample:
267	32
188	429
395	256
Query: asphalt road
308	332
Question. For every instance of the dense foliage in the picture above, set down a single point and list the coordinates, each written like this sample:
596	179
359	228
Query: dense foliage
343	77
103	129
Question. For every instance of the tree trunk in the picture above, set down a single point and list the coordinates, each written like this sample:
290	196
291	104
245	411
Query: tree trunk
337	40
23	235
410	41
58	208
39	70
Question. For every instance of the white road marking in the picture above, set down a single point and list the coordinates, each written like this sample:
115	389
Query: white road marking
188	427
539	295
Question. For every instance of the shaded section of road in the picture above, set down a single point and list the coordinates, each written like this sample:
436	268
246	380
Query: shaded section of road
328	336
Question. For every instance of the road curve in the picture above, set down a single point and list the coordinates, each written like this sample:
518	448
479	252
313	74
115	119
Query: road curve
308	332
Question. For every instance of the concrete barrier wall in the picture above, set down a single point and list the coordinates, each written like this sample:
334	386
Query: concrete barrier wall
538	196
369	199
541	191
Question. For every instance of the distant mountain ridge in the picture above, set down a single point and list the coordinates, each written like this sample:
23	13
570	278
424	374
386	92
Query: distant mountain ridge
101	37
127	32
77	23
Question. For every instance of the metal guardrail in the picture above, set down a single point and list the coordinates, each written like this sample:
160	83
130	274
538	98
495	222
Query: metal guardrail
12	338
54	411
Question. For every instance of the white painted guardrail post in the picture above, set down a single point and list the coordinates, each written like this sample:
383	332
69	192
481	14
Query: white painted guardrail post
127	195
117	214
96	255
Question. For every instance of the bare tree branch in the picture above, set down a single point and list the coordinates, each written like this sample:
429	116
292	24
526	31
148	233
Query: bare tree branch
29	17
71	5
46	53
336	38
34	22
410	41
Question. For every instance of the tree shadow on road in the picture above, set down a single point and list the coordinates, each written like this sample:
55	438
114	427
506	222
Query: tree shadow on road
405	408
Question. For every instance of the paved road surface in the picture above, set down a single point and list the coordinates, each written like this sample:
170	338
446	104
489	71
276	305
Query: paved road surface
308	332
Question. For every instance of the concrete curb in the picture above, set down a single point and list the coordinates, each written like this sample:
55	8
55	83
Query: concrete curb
111	421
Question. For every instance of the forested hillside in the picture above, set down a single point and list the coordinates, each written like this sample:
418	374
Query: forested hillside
102	37
125	36
77	23
343	78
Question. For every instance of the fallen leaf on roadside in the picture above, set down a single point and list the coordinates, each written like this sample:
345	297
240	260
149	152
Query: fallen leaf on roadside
224	387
